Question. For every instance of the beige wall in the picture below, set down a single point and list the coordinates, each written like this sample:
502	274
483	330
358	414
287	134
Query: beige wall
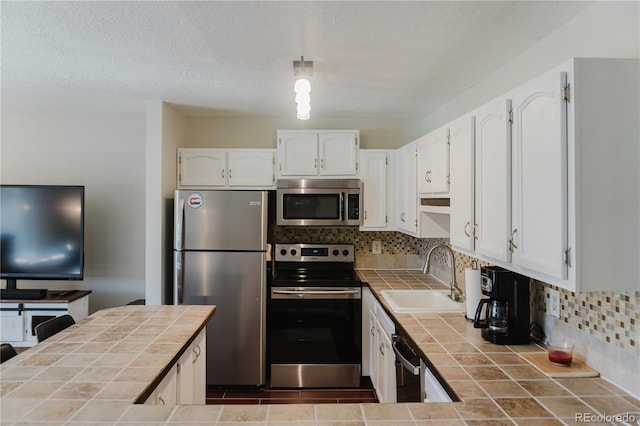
260	132
605	30
104	150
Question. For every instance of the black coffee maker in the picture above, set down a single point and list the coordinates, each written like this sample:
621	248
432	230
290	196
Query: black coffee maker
506	311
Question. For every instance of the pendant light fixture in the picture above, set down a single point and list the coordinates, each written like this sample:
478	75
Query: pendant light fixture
302	71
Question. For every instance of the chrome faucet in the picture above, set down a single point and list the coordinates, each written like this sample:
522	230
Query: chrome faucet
456	292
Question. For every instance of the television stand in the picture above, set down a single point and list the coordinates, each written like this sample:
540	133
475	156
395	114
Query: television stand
23	293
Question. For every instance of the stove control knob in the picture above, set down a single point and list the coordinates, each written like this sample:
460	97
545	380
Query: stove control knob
283	252
336	252
293	252
345	252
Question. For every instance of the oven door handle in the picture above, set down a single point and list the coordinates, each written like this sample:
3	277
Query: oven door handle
302	293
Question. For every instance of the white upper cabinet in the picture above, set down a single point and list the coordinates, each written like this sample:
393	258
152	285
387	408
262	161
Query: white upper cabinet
226	168
330	153
375	179
539	180
297	154
201	167
481	182
338	153
433	162
603	174
251	168
406	189
492	207
462	178
560	201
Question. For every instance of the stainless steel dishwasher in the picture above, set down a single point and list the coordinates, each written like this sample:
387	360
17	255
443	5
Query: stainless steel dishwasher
414	381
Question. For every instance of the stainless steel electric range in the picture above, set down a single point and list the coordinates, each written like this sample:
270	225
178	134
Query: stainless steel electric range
314	317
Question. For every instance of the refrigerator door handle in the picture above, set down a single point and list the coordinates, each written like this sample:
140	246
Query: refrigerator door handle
178	277
180	228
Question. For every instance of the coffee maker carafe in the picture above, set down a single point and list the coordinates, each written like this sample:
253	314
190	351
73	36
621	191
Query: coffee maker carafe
506	311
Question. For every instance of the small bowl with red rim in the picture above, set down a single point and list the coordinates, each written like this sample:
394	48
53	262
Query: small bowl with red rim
560	352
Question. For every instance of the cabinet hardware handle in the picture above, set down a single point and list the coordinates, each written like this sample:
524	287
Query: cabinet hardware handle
198	352
513	245
162	400
475	228
466	226
402	216
322	163
365	215
382	348
426	176
229	173
222	173
315	163
373	329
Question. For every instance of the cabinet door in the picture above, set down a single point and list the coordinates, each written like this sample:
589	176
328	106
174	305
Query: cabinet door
199	360
184	378
338	153
373	173
165	393
201	167
373	349
539	204
439	154
12	325
407	219
423	164
493	180
386	368
462	178
253	168
433	162
297	154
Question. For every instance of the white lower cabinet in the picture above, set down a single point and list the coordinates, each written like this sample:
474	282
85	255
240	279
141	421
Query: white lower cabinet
186	381
165	393
380	354
385	366
19	320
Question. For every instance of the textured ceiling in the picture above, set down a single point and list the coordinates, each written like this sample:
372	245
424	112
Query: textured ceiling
371	59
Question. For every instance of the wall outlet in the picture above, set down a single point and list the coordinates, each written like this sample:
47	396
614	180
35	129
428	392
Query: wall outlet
553	302
376	247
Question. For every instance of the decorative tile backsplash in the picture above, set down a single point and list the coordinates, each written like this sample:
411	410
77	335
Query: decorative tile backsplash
611	317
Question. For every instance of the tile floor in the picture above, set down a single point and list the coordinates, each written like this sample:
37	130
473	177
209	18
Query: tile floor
363	394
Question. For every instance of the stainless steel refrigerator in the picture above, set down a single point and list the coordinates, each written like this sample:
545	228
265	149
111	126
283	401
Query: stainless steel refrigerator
220	246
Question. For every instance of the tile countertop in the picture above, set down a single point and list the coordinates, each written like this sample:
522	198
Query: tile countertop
93	372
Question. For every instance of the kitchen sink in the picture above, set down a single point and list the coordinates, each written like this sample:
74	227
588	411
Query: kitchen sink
411	301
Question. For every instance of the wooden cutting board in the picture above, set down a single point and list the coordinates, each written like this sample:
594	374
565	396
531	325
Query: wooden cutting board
540	360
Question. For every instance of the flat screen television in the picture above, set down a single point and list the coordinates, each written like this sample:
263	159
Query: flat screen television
41	233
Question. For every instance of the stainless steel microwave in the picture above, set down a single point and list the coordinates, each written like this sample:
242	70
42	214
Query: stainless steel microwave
318	202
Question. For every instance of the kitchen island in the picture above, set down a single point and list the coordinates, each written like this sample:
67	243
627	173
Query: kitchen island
94	372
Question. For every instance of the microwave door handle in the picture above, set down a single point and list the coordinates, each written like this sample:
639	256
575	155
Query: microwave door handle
342	202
